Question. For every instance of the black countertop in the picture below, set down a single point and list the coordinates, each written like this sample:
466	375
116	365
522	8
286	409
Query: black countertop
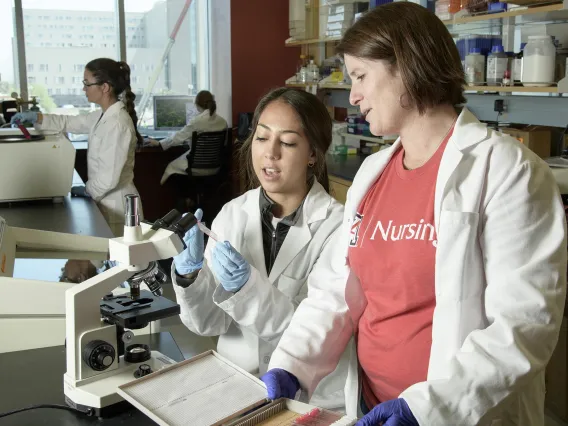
36	377
73	216
344	166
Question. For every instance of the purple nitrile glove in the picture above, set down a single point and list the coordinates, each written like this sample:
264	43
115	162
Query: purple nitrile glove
280	384
390	413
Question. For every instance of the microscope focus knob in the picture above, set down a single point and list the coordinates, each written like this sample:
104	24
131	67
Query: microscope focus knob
143	370
99	355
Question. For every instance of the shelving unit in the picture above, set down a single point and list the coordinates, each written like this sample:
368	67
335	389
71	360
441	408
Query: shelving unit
311	41
520	11
373	139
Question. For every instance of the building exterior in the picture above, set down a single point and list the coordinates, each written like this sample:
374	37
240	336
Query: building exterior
60	42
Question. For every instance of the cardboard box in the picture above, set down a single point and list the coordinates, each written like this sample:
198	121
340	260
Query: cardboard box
556	377
536	138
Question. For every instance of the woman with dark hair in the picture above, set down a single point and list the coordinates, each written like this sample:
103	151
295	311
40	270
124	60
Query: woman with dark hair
206	121
112	137
450	266
246	286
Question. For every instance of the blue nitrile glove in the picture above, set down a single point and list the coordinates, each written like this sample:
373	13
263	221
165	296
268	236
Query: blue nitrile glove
26	116
230	268
79	191
191	259
390	413
280	384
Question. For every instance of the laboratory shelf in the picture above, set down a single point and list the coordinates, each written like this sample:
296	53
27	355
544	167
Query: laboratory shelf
520	11
311	41
339	86
510	89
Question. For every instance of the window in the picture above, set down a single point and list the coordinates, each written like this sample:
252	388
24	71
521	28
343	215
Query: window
30	67
74	27
31	80
190	51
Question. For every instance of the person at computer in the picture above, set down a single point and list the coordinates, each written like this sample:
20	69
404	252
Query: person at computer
206	121
112	137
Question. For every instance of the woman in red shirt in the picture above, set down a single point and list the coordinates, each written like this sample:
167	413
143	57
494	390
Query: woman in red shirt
450	268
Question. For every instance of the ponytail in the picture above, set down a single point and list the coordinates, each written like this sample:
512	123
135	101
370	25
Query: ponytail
205	100
129	98
212	107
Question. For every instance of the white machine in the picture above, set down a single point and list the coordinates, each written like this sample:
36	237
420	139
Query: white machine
98	323
41	167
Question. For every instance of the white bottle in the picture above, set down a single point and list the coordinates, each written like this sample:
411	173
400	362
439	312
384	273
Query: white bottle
475	67
539	61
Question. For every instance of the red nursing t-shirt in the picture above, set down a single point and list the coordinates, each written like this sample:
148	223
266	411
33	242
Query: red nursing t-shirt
392	252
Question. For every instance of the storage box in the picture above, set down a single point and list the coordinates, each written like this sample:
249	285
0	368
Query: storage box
536	138
209	390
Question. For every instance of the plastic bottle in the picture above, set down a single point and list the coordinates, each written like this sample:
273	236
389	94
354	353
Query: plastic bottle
475	67
517	68
313	71
539	62
301	65
496	65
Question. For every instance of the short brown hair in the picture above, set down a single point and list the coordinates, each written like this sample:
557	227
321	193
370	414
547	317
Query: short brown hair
418	44
316	123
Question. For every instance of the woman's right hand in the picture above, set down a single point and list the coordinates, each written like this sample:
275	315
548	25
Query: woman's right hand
25	117
191	259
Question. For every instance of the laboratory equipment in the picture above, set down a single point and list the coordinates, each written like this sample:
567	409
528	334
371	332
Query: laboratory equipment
539	62
475	67
517	66
210	390
97	352
33	305
20	102
40	168
173	112
496	65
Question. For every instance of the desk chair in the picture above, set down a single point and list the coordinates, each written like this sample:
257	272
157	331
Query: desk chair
208	168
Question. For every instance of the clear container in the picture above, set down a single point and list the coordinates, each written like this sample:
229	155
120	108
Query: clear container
313	71
539	62
496	65
517	68
475	67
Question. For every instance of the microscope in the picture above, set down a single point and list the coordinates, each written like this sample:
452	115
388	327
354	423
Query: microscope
99	350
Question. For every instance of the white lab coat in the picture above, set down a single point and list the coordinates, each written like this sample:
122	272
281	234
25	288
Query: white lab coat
110	157
201	123
251	321
500	283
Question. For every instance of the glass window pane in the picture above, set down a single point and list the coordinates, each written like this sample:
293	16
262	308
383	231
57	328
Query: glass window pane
61	37
149	25
8	54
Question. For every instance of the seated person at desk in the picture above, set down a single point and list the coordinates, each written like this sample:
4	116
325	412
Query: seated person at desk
112	137
247	285
206	121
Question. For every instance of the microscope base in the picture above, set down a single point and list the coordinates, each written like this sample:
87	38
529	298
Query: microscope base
99	393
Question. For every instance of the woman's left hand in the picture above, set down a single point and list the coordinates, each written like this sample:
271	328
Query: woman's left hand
229	266
390	413
152	142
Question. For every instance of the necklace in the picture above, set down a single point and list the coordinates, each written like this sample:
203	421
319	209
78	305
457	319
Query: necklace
434	151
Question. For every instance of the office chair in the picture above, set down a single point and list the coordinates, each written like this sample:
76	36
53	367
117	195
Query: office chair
208	165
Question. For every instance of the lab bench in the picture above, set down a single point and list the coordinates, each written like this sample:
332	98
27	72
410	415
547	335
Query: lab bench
35	376
73	216
341	170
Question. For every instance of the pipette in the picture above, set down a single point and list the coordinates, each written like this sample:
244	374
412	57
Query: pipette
207	231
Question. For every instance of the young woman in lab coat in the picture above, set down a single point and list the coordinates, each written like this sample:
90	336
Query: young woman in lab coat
206	121
247	285
450	265
112	137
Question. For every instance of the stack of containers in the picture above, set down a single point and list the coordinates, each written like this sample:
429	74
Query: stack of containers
482	42
297	19
356	125
341	17
445	9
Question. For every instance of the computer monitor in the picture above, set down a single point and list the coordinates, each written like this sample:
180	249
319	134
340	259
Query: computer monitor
173	112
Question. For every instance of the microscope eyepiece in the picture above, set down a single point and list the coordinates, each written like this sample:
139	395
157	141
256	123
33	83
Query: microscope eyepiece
132	215
169	219
183	225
